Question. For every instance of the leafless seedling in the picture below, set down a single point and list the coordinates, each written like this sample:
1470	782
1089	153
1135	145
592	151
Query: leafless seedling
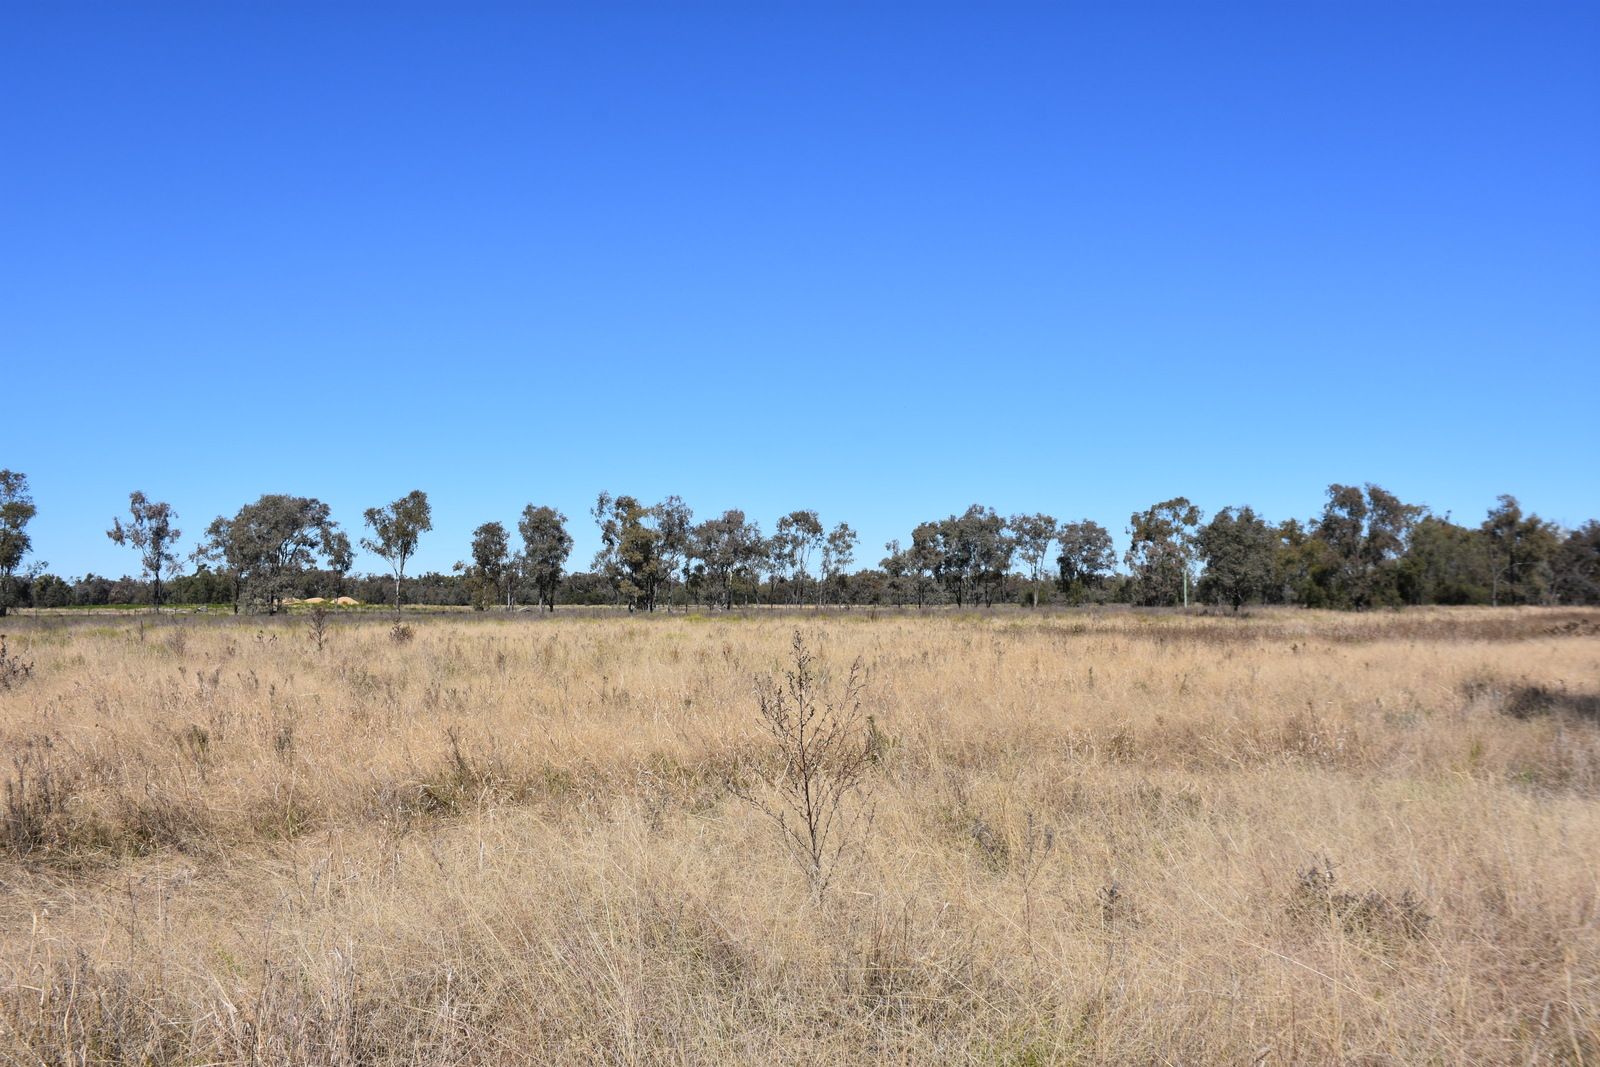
317	626
1040	842
816	790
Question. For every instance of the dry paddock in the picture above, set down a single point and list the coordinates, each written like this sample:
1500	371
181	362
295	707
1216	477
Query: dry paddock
1289	837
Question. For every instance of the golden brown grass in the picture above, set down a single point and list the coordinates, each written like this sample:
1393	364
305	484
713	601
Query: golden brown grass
1098	838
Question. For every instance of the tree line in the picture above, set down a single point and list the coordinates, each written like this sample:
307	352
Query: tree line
1366	549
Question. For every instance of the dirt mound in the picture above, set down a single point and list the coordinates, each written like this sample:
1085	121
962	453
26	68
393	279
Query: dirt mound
347	602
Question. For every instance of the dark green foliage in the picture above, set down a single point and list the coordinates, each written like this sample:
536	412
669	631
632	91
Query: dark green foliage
1445	564
838	553
1161	550
1087	559
396	528
728	547
1033	536
1367	549
632	549
970	553
800	533
1365	535
545	547
16	511
1521	548
269	545
1239	550
489	575
675	521
150	531
1576	566
49	591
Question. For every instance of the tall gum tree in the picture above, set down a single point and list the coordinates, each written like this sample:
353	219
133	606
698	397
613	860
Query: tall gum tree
545	547
150	531
1161	550
396	529
268	545
1033	535
16	511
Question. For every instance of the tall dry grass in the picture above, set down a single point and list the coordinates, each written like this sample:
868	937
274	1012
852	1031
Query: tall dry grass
1286	838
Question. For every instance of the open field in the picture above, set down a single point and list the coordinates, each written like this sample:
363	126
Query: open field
1125	837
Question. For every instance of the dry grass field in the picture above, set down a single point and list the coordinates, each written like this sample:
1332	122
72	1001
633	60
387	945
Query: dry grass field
1094	838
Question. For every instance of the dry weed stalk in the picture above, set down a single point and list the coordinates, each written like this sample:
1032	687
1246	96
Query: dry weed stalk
317	626
816	791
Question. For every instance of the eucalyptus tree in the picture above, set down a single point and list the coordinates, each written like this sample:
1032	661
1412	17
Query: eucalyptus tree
729	546
631	549
996	547
1365	533
838	553
1161	550
1033	535
219	553
777	565
1446	563
1086	558
267	545
1302	564
953	562
799	534
1522	547
896	566
969	551
675	522
1577	565
491	564
922	559
16	511
340	558
151	532
396	528
1239	550
545	547
910	567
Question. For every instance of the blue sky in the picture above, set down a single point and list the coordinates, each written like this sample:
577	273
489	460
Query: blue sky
879	260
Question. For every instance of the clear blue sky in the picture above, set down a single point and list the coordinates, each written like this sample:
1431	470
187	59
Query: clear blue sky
879	260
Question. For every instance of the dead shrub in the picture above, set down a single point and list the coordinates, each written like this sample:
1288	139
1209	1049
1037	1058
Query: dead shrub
14	670
38	795
815	788
317	626
1117	910
1373	914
